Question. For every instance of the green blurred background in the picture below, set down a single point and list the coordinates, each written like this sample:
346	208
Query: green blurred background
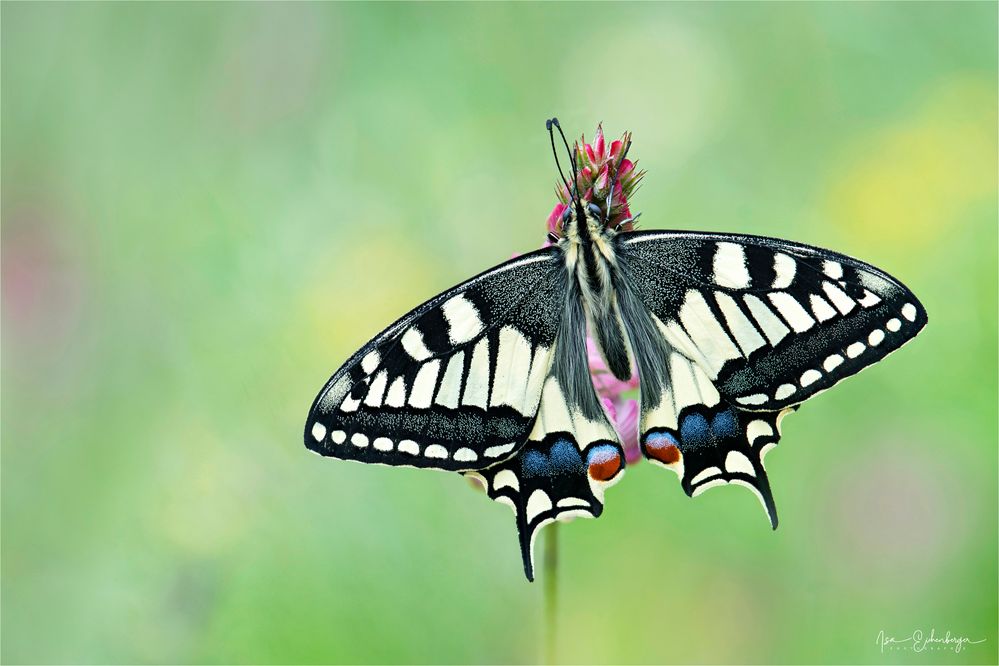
207	208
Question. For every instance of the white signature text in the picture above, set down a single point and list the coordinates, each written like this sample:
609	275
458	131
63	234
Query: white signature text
920	641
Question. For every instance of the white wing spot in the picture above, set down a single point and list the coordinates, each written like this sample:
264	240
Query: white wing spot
729	266
746	335
349	404
839	298
809	377
894	325
506	479
712	341
706	473
538	502
682	379
435	451
875	338
423	385
677	337
855	350
495	451
821	308
477	380
318	431
792	310
465	455
463	320
370	362
708	392
412	342
450	391
784	269
832	362
833	269
536	376
377	390
396	393
757	429
513	366
566	502
708	486
382	444
737	461
870	299
338	436
359	440
755	399
772	326
409	446
785	391
909	311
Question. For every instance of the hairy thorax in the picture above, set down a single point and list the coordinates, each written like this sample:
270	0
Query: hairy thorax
591	260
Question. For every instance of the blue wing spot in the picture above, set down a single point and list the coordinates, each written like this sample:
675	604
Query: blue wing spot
535	463
564	457
694	431
725	424
601	453
660	439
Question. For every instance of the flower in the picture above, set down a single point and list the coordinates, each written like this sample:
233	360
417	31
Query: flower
599	165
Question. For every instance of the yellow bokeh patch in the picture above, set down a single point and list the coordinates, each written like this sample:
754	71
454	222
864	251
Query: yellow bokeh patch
907	184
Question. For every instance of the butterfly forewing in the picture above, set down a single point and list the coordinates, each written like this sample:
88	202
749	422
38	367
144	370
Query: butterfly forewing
730	333
771	322
454	384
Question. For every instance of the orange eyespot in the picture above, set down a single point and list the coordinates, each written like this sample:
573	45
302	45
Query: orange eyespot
663	447
604	462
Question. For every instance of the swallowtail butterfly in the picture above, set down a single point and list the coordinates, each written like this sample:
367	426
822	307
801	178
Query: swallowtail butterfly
728	333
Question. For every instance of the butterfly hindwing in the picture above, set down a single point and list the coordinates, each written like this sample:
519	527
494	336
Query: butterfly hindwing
454	384
715	444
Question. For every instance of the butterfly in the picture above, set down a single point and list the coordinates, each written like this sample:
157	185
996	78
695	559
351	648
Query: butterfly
728	333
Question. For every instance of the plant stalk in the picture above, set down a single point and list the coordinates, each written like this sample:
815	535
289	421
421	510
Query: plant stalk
551	592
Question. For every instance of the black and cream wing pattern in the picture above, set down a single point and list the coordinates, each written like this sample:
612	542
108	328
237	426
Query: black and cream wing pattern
488	379
455	383
728	333
739	331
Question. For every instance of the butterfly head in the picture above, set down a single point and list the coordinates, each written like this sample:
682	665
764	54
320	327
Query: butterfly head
579	214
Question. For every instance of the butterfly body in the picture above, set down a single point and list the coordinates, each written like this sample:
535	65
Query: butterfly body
591	257
728	333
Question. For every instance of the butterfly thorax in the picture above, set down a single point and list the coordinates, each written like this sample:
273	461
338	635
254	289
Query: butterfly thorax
588	246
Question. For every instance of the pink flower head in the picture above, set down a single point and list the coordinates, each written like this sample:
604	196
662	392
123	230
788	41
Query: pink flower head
555	219
599	165
603	380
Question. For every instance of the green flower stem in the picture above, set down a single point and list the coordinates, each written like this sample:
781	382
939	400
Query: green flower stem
551	592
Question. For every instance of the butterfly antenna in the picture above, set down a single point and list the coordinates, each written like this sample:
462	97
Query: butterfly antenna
572	156
551	135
